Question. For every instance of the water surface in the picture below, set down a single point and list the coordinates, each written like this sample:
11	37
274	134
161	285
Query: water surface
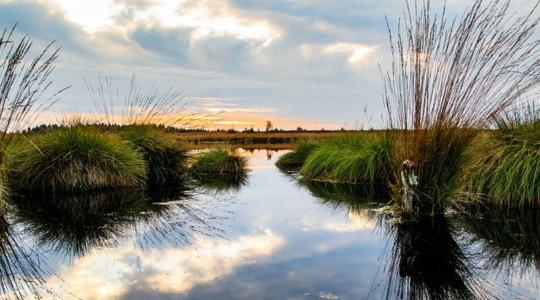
271	236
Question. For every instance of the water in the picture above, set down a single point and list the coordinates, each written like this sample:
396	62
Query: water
271	237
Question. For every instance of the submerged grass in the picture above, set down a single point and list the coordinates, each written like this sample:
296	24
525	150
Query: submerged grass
351	159
295	159
507	162
165	158
76	158
219	163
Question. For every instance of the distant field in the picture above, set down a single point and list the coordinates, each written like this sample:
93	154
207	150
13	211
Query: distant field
282	139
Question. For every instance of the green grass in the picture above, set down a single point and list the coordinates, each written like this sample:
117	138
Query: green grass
507	161
439	154
76	158
219	164
165	158
350	159
295	159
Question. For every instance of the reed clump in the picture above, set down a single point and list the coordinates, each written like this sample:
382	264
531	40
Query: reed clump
351	159
220	163
76	158
295	159
448	78
506	165
165	158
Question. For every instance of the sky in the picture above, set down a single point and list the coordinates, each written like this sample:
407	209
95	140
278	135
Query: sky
311	64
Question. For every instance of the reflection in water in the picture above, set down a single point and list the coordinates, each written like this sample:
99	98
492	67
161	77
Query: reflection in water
510	240
221	185
74	224
21	271
168	243
426	262
353	196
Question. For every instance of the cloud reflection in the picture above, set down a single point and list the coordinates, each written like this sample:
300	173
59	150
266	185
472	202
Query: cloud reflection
113	272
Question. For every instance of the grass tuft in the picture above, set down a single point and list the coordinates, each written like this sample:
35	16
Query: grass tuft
445	81
507	163
350	159
76	158
295	159
219	164
165	157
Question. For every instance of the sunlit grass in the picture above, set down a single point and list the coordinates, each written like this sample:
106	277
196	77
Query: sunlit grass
220	163
351	159
507	160
76	158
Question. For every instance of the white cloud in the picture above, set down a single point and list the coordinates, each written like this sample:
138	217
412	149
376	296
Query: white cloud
112	272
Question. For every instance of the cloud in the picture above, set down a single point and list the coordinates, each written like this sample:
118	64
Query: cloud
40	22
311	62
113	273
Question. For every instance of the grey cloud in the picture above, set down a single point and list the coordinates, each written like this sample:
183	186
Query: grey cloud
36	20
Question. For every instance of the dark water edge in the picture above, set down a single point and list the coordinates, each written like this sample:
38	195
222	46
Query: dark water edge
270	236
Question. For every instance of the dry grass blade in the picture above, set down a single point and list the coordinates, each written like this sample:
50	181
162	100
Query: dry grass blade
137	107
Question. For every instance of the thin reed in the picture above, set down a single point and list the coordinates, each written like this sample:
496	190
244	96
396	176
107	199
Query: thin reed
24	86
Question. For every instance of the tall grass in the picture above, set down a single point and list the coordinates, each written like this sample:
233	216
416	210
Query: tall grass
447	78
76	158
506	166
24	84
165	158
350	159
219	163
295	159
139	107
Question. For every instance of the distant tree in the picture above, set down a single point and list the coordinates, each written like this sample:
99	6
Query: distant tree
269	126
299	128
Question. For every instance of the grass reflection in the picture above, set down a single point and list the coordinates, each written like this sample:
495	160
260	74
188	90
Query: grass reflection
425	261
74	224
22	274
510	239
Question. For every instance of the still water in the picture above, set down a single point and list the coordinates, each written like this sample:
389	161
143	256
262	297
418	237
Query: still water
271	236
